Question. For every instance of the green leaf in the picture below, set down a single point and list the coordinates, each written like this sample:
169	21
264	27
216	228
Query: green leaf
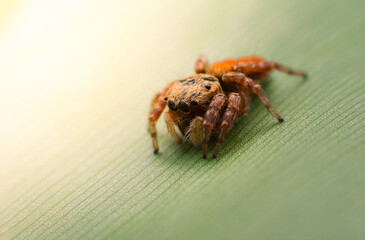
76	157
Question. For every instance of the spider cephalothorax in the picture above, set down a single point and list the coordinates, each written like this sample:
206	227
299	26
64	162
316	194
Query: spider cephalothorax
192	92
211	100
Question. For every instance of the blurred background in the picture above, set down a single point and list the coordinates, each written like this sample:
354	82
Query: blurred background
76	159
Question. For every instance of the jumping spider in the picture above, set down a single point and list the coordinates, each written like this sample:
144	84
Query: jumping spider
212	99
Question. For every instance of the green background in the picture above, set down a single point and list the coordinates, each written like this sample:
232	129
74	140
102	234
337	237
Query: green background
81	166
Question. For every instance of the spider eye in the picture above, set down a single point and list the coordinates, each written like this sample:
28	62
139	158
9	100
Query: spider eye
172	105
165	99
207	87
194	103
184	107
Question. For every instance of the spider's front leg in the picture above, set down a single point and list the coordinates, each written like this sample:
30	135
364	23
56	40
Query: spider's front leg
254	87
158	104
230	115
201	65
211	117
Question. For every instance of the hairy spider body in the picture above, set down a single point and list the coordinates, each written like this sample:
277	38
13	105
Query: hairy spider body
212	99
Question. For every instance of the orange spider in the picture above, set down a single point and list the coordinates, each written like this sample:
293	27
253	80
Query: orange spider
212	99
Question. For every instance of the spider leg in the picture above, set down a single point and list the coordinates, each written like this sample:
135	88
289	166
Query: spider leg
230	115
171	121
245	100
158	104
201	65
260	67
195	132
244	93
211	117
253	87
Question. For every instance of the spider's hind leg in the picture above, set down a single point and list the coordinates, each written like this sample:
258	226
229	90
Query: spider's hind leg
262	67
254	87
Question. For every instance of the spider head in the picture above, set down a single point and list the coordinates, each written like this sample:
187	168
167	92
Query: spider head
194	92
